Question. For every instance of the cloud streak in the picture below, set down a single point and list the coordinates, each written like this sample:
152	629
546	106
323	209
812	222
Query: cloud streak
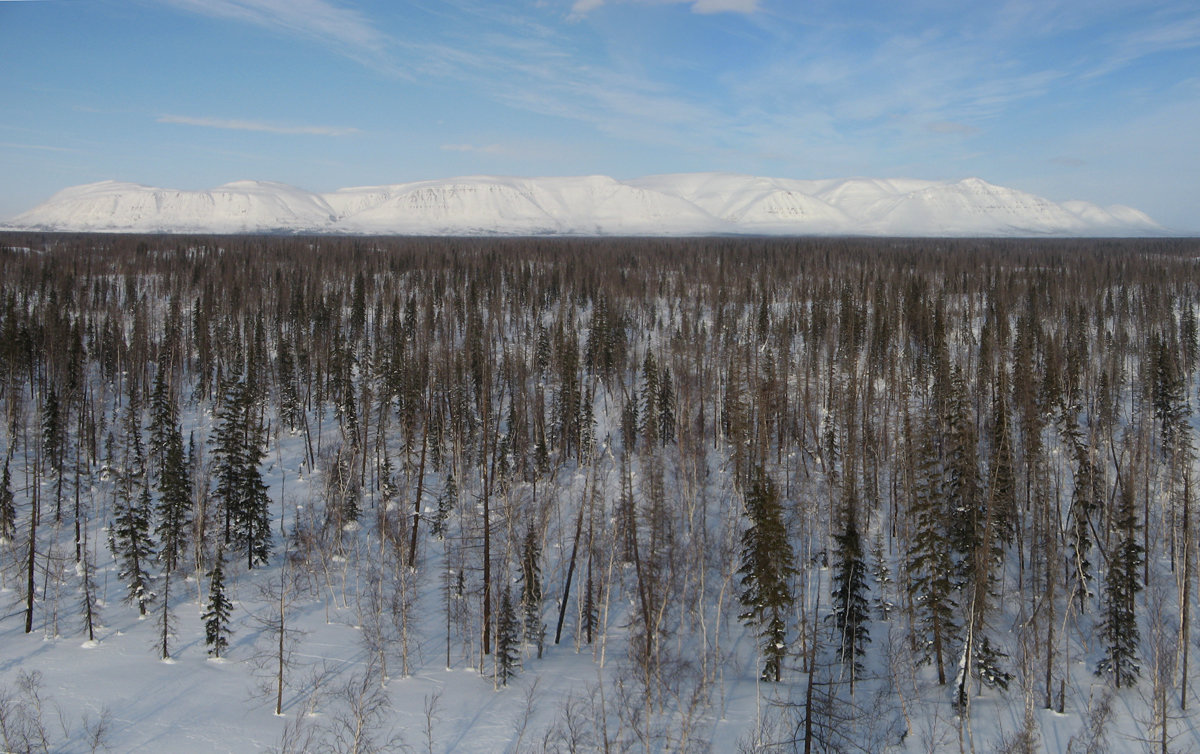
346	30
824	89
582	7
476	148
1162	35
950	128
38	147
251	125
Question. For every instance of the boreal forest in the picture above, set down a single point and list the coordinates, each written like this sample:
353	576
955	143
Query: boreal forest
290	493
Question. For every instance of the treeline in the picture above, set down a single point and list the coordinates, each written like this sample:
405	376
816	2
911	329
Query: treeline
984	449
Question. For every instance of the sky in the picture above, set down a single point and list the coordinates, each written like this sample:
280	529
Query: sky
1096	100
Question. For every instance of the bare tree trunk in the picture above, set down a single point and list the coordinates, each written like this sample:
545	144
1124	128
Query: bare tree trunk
412	548
447	595
279	654
30	583
1051	554
562	607
808	688
78	533
166	614
487	536
312	457
88	616
1185	608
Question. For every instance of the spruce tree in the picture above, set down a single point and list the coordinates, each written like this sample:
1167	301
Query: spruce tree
131	546
164	418
254	514
831	449
1002	492
131	469
531	589
445	504
54	440
591	611
666	408
88	603
930	567
587	430
629	425
1189	338
216	614
542	354
290	407
568	400
989	666
508	638
228	460
648	410
767	565
851	612
961	482
240	491
1168	393
1119	629
175	500
129	535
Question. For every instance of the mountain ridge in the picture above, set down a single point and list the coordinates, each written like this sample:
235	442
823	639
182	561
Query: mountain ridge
656	205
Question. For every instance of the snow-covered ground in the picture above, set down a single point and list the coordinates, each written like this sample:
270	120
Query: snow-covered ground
429	691
337	686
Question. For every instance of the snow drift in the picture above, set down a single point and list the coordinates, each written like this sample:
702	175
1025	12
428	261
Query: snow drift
684	204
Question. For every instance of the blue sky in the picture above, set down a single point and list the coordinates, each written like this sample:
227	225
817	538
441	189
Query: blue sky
1096	100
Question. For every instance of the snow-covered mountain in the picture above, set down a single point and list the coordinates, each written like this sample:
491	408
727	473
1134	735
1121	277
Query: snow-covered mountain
683	204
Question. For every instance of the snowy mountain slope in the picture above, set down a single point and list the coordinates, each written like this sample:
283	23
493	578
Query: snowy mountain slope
471	205
973	206
682	204
239	207
755	204
489	204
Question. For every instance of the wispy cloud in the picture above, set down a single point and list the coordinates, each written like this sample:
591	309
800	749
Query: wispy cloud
950	128
546	81
535	65
1159	34
476	148
251	125
344	29
814	86
724	6
582	7
38	147
872	85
